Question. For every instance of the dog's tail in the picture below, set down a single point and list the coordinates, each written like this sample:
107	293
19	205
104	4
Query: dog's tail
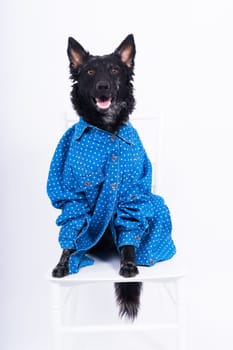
128	298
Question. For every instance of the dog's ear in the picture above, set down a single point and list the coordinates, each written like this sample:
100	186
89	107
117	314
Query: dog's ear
127	50
76	53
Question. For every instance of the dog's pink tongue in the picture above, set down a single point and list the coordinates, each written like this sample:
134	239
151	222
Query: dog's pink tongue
103	104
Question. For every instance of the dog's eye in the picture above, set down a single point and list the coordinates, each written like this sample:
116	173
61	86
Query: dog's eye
114	71
90	72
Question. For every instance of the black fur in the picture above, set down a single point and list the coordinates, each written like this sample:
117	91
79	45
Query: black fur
88	72
102	93
62	268
128	267
128	298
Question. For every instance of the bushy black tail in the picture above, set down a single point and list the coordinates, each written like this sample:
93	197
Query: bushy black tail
128	298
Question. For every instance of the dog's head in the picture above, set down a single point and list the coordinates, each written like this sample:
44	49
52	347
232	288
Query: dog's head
102	91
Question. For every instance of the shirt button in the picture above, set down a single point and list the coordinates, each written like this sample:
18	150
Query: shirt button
133	196
113	138
114	158
152	262
87	183
114	185
137	238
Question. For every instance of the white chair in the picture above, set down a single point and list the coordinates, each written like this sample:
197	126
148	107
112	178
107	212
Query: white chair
168	274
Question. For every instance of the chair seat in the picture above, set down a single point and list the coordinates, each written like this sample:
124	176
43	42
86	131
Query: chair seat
168	273
108	270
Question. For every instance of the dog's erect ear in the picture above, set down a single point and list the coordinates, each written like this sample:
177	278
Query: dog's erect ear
76	53
127	51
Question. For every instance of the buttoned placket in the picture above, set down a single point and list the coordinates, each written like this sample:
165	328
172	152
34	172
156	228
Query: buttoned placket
114	176
110	185
113	166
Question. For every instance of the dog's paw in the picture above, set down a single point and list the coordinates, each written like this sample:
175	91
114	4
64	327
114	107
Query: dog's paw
128	269
61	270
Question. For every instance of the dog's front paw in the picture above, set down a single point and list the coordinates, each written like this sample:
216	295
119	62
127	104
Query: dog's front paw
128	269
61	270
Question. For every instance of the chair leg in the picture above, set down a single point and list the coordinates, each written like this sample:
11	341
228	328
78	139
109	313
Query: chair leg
181	314
56	317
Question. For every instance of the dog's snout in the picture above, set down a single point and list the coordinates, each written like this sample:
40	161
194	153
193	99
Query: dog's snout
103	86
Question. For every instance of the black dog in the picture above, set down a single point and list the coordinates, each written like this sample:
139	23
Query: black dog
102	94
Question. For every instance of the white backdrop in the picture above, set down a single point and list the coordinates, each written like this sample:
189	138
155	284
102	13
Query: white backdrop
184	75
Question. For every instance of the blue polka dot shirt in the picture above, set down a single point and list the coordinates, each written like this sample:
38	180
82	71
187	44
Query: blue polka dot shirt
97	178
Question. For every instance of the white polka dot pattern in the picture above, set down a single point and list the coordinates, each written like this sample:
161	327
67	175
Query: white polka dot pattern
97	178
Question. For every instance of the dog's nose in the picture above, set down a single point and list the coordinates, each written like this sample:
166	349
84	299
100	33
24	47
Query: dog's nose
103	86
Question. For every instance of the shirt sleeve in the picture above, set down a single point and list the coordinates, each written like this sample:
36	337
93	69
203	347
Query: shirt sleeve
135	209
75	213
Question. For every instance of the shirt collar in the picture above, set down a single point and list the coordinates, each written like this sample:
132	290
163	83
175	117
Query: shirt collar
124	132
80	127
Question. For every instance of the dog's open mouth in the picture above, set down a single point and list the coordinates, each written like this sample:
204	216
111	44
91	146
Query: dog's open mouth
103	102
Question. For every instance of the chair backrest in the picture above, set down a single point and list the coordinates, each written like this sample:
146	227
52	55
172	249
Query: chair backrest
150	129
